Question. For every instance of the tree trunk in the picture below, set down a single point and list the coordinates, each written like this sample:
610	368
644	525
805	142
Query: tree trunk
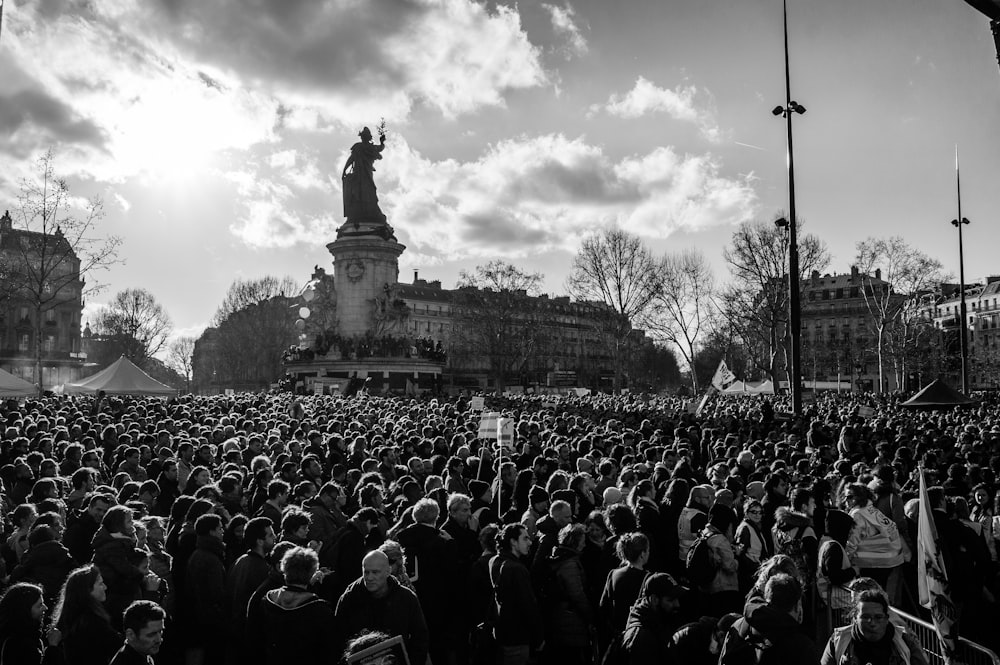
38	349
881	369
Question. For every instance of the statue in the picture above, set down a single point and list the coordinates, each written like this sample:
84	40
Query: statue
360	196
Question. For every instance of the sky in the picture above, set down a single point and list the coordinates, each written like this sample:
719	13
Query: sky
215	131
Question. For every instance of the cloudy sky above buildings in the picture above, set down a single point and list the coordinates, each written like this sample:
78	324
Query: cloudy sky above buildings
216	130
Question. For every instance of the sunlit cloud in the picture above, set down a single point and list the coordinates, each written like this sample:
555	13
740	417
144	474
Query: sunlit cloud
682	103
565	27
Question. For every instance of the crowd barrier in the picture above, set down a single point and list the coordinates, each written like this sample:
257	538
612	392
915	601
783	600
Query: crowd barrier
968	652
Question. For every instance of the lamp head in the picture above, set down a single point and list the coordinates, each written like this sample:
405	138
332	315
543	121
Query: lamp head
781	223
798	108
965	220
954	222
778	110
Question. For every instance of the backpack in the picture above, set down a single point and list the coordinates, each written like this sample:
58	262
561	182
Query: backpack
700	567
743	645
791	546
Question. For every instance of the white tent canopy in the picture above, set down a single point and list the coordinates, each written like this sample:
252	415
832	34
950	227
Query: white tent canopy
12	386
121	377
750	388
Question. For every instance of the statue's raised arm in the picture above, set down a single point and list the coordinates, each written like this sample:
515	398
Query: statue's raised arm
360	194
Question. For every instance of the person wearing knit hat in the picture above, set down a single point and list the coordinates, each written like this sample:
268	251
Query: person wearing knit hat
755	489
612	496
478	489
538	507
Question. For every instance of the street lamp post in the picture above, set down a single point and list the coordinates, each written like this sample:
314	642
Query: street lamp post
963	314
794	306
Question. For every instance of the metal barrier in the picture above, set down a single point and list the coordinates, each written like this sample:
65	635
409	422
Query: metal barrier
967	652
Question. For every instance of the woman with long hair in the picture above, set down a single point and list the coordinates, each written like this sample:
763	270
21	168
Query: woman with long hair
200	476
87	636
21	611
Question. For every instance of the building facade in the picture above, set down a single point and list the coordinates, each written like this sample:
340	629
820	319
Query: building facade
943	311
47	316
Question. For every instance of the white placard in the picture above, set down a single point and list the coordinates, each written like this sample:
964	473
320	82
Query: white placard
478	403
488	425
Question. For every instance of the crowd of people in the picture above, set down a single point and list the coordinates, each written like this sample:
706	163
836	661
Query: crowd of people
273	528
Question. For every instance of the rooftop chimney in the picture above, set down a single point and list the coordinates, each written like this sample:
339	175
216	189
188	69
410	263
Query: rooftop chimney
854	274
416	276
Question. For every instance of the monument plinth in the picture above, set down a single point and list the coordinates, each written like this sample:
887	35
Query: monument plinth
365	266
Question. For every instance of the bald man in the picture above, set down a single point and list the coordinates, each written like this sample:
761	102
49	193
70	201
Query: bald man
376	601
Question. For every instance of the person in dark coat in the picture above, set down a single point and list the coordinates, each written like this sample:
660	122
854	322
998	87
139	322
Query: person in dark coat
169	489
376	601
652	621
570	614
247	574
22	609
699	642
81	529
46	563
204	592
114	543
775	623
294	625
623	584
143	622
84	627
350	547
547	528
432	556
519	628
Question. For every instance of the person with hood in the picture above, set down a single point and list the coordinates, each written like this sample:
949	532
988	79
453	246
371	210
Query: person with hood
699	642
871	638
293	625
46	563
113	545
722	593
877	544
652	621
570	614
793	534
376	601
769	633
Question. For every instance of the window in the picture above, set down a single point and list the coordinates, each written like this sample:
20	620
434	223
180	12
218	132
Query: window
23	341
50	316
49	343
24	313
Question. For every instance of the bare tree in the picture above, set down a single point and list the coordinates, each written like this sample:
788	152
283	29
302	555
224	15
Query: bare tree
55	249
756	303
684	305
894	276
616	269
180	357
253	326
136	323
498	318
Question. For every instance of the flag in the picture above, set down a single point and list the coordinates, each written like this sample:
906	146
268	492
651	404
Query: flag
723	376
932	577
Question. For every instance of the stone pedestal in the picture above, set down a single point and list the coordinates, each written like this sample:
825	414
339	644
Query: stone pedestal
365	262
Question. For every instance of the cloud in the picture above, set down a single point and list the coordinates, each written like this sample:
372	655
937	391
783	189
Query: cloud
522	197
357	59
32	117
564	25
681	103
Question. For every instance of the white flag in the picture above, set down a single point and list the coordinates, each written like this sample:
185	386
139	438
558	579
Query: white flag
723	376
932	577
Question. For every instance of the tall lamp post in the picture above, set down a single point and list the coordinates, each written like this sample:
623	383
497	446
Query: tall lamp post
794	306
963	315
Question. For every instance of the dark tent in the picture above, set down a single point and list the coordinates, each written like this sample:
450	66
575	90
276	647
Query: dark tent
938	395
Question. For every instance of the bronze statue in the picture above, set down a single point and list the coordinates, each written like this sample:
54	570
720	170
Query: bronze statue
360	195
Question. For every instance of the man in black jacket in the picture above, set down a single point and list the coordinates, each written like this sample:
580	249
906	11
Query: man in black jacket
770	631
143	634
435	565
81	529
204	592
376	601
519	623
